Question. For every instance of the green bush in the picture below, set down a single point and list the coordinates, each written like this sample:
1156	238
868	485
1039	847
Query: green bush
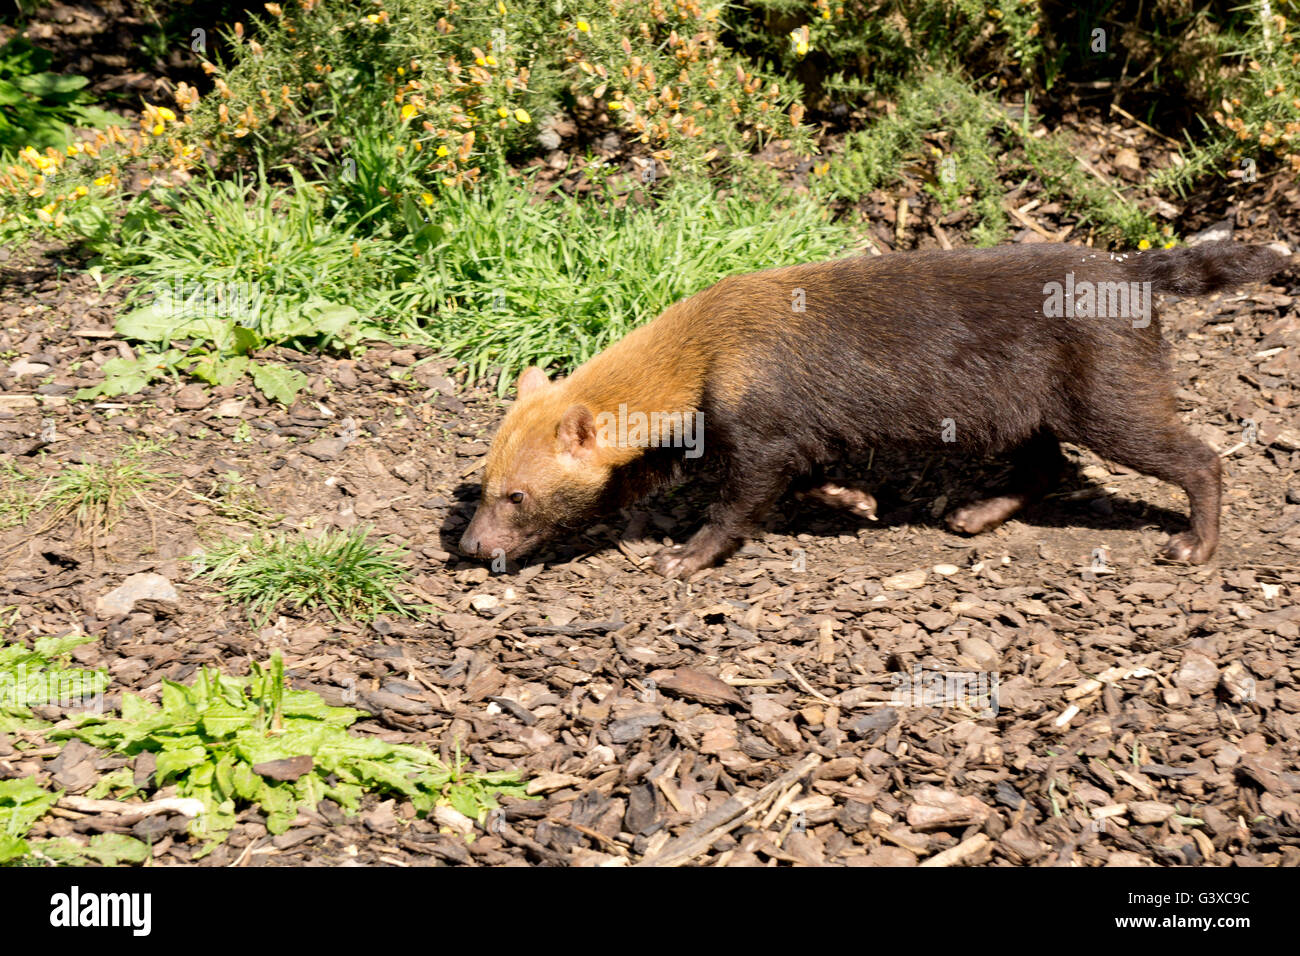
38	107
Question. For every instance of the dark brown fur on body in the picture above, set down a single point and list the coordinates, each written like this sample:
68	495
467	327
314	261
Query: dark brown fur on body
948	350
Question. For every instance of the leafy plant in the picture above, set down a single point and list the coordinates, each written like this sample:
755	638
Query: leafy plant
22	802
37	106
228	269
343	572
230	742
39	675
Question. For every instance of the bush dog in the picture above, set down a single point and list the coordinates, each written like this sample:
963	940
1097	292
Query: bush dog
975	351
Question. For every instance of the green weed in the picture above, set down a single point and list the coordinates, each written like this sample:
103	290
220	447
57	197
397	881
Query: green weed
214	739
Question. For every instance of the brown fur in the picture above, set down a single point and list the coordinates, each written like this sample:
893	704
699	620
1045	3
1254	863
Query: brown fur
886	350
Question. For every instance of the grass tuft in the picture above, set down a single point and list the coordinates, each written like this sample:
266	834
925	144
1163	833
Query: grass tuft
343	572
97	491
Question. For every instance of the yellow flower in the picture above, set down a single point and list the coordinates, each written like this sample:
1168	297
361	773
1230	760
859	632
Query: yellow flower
442	150
427	198
801	40
491	60
502	112
501	8
82	190
157	130
104	180
167	114
616	105
1170	244
522	116
1144	244
408	111
583	26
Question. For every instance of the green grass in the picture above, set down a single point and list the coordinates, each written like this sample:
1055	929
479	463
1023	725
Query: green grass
341	572
17	497
96	492
519	280
498	277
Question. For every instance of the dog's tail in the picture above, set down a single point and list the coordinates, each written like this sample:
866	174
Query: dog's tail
1209	267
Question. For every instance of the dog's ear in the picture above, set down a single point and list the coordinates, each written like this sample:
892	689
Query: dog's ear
577	432
532	379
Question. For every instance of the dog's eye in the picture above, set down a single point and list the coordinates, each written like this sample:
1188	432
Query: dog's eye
516	497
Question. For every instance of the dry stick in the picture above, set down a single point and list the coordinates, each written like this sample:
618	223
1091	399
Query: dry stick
637	561
959	853
1100	178
804	684
588	831
737	810
130	812
1150	129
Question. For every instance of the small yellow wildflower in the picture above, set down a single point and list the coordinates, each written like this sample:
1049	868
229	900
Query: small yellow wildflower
408	111
502	112
522	116
442	150
167	114
1144	244
427	198
82	191
583	26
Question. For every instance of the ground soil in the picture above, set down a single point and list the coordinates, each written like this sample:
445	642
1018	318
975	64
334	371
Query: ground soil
1147	713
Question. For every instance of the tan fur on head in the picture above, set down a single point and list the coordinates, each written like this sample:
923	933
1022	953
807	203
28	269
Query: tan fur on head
544	471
